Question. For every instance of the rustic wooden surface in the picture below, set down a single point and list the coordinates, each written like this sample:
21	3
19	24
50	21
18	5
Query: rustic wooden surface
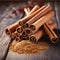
53	53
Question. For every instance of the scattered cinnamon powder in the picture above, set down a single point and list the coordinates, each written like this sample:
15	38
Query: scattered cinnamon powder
28	47
14	42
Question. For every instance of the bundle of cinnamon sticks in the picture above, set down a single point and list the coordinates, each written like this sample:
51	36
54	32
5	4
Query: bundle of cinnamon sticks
34	25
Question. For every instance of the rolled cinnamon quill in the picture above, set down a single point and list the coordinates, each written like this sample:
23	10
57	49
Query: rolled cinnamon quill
18	34
10	29
36	7
24	36
19	29
54	25
25	9
49	22
36	25
15	35
28	10
36	36
49	31
26	18
27	24
39	15
28	31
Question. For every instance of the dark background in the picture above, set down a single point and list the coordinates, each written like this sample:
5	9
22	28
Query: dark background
28	0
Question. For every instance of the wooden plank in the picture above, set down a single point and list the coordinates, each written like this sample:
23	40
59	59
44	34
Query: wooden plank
3	46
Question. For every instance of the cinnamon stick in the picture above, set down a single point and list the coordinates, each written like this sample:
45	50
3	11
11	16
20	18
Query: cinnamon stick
49	22
49	31
19	29
24	36
39	34
28	31
26	18
36	7
36	36
25	9
14	35
39	15
10	29
35	26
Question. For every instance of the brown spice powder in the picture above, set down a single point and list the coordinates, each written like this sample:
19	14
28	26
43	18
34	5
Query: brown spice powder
28	47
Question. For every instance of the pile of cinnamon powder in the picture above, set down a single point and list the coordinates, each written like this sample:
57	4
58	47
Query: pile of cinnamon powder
28	47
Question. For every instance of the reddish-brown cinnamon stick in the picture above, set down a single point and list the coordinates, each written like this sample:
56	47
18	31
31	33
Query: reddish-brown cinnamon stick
39	34
25	9
24	36
15	35
36	36
10	29
39	15
28	31
36	7
26	18
49	31
53	38
35	26
19	29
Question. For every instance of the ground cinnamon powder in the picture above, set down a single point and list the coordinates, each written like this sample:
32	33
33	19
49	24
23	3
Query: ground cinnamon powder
28	47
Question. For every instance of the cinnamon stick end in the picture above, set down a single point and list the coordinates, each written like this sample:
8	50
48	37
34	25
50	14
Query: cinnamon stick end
54	40
19	30
24	37
26	25
18	39
7	32
32	27
28	31
32	38
20	23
